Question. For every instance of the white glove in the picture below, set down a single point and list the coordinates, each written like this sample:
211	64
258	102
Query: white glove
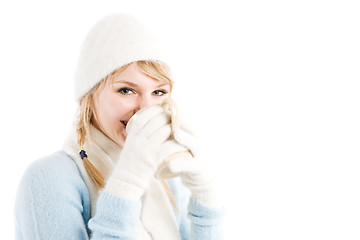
195	173
146	146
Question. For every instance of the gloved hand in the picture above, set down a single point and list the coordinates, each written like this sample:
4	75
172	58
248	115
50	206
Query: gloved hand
146	146
195	172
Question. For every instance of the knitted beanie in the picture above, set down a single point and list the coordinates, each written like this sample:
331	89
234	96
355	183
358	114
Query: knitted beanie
113	42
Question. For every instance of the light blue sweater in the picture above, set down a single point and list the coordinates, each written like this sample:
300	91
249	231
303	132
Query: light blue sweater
53	203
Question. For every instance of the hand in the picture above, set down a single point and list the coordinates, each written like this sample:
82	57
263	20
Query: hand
146	146
195	173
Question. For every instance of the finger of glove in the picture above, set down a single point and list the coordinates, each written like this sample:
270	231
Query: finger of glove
161	135
194	173
186	165
187	140
168	148
154	124
141	118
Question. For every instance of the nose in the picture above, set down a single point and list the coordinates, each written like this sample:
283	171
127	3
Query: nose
144	101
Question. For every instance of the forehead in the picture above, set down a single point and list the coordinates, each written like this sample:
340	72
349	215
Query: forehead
134	77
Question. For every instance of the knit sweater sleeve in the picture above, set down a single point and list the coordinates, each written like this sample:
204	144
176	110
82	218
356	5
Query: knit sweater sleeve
53	203
196	220
115	218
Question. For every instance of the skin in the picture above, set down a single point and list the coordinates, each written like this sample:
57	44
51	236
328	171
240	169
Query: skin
117	102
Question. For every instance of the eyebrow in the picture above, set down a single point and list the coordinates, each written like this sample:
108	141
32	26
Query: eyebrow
134	85
126	82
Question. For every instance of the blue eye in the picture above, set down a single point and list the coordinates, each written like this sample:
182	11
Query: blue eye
160	92
126	91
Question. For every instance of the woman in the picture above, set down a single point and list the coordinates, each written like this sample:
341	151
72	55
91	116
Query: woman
105	183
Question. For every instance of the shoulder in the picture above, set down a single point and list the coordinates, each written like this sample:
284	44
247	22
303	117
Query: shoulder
52	191
57	163
56	173
52	167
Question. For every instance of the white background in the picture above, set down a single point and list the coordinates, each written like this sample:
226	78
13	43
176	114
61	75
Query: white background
272	85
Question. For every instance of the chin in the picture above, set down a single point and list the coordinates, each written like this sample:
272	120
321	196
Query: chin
121	140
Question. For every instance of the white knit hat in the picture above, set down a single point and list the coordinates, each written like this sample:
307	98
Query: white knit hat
112	43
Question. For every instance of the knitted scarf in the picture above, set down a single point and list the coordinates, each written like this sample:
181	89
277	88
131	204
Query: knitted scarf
157	220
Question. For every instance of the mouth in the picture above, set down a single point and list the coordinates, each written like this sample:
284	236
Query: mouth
124	123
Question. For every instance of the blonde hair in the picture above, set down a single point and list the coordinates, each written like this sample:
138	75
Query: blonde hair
153	69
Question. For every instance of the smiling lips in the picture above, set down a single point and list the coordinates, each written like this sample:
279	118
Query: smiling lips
124	123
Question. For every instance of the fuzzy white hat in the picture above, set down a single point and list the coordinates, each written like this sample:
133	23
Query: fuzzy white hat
113	42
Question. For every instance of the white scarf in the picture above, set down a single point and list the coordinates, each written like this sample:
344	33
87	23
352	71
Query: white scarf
157	220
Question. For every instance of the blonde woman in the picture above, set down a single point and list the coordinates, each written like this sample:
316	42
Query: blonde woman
105	183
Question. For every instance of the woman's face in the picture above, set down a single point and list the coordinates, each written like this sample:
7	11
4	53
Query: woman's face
118	101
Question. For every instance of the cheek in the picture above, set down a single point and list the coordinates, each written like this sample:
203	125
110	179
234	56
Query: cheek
119	108
107	110
162	99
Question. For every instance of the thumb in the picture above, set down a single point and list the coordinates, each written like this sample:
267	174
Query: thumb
187	140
